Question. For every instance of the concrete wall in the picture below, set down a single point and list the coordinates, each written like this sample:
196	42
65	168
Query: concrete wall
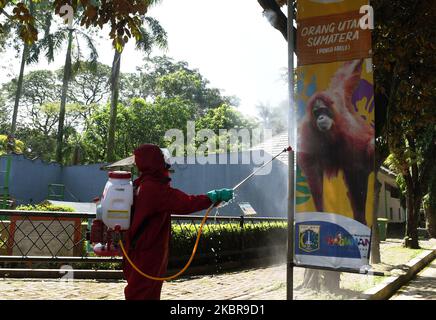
267	194
29	179
83	183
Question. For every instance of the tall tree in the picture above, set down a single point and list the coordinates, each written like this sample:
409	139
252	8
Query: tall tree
115	76
90	86
161	76
146	38
70	34
404	72
24	21
24	58
40	87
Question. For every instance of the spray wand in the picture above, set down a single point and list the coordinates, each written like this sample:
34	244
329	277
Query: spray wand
288	149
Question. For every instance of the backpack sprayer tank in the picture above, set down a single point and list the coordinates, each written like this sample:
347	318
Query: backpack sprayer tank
113	214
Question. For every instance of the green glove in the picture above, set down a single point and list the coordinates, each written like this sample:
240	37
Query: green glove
219	195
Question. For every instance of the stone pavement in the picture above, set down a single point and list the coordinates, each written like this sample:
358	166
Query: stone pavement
423	287
262	283
267	283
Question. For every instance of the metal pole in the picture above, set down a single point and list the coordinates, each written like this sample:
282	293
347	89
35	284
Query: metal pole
291	195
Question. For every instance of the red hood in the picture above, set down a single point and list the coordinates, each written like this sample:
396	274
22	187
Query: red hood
150	162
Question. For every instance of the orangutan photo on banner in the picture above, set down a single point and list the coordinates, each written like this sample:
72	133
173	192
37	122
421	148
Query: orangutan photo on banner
335	154
336	142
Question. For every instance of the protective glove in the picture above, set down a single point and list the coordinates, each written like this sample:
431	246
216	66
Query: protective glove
219	195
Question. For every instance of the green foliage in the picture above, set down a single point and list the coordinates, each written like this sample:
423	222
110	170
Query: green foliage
138	123
4	115
405	64
45	206
225	117
162	95
38	145
163	77
18	147
146	39
89	87
123	21
226	237
215	239
5	32
40	86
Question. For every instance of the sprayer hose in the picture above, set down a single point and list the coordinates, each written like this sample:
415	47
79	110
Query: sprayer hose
184	268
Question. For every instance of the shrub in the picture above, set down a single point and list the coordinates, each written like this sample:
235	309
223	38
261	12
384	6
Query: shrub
45	206
226	237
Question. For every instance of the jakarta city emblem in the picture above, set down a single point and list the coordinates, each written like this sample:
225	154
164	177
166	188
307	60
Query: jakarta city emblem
308	237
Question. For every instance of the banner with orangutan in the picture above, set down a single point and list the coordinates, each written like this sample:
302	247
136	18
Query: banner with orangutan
335	149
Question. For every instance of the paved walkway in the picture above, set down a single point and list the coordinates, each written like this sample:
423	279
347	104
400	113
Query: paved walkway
255	284
423	287
262	283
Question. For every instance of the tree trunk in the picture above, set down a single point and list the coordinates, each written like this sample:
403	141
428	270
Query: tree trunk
431	220
375	236
431	209
66	80
312	279
20	80
115	77
321	280
19	89
411	240
76	156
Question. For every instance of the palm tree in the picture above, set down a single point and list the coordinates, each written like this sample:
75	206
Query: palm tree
153	35
24	60
53	42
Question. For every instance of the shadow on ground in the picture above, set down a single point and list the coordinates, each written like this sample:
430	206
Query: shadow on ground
420	288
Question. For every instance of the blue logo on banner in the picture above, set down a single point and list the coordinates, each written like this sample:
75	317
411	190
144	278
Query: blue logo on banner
321	238
308	237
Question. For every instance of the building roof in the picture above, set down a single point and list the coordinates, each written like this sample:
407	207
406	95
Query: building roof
388	172
121	164
274	146
127	163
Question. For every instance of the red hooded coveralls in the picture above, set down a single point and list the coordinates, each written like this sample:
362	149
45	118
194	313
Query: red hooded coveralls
155	201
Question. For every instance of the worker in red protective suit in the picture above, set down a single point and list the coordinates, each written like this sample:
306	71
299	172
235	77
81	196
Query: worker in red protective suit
148	238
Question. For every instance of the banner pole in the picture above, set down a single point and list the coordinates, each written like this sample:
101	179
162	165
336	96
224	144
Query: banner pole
291	155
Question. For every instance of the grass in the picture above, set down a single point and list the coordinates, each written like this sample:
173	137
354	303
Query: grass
398	254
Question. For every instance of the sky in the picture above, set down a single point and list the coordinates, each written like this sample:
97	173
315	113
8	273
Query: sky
230	42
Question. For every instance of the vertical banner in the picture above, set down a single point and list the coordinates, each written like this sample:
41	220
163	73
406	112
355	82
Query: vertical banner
335	151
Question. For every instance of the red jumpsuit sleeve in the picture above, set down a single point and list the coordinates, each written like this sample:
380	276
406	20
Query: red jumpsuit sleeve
178	202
